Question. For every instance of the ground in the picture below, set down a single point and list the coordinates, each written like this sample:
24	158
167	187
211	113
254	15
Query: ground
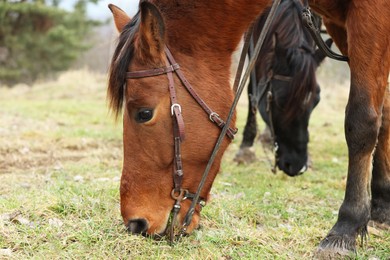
60	163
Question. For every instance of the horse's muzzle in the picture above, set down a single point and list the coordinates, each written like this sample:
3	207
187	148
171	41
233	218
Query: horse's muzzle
137	226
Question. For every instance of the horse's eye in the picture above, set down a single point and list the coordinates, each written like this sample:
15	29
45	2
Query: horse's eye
144	115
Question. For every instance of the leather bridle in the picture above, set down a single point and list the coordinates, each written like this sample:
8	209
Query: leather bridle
265	86
266	90
179	193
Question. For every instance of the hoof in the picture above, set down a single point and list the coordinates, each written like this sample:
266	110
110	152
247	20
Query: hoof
336	247
266	139
245	155
381	214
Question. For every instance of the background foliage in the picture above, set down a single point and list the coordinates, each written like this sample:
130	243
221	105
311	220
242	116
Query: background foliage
38	38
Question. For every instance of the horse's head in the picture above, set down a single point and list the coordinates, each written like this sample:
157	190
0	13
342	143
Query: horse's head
291	91
151	118
290	126
290	137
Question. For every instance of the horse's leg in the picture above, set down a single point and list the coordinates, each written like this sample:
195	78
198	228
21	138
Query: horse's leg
380	184
246	154
369	63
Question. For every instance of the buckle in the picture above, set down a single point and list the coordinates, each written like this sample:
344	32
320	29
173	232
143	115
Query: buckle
212	115
173	107
179	196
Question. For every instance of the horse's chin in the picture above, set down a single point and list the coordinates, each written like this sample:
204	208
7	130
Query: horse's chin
179	231
193	225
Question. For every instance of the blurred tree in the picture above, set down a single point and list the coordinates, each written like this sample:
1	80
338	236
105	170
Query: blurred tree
38	38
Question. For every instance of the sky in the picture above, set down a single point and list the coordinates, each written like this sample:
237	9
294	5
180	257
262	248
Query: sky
100	11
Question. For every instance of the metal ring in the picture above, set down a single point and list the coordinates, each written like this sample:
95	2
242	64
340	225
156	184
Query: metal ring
211	116
173	107
180	196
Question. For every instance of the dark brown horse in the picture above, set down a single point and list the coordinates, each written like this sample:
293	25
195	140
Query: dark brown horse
361	30
202	36
283	88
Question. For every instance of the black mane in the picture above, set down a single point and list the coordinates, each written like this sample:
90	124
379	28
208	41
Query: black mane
119	65
288	50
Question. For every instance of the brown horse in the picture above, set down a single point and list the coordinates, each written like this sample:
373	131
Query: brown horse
361	29
202	36
202	41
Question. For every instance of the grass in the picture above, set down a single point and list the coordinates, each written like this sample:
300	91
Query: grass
60	163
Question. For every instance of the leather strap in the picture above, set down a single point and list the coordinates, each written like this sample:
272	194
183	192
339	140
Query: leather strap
152	72
247	44
282	77
307	20
272	128
175	107
213	116
178	133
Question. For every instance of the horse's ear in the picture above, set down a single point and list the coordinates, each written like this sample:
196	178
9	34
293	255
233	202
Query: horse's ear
151	39
319	55
120	17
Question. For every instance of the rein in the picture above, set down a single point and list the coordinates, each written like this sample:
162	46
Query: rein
307	19
267	88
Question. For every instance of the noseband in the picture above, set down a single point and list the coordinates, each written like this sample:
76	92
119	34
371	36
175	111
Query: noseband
178	193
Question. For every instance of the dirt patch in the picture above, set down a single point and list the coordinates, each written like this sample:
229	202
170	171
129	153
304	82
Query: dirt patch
40	153
36	137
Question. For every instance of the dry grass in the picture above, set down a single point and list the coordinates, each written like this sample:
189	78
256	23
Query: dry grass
60	160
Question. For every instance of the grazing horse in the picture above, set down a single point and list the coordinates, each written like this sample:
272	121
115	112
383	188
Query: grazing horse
165	53
168	134
285	69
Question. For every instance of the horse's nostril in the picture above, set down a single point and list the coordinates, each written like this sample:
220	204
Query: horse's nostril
137	226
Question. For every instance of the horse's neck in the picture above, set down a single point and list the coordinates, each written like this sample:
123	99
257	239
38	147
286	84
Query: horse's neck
214	26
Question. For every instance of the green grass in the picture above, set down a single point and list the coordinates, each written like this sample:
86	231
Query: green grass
60	163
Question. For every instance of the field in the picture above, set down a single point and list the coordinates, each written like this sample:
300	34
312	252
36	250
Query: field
60	163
